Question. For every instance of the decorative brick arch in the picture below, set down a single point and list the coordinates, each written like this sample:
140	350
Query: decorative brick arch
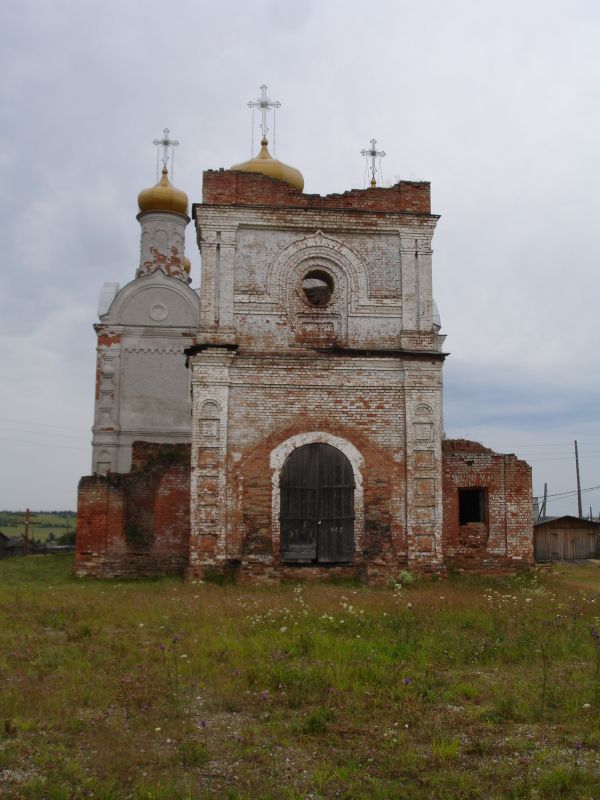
210	409
317	249
277	459
423	410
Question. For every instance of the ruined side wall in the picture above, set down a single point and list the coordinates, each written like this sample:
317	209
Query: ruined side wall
100	523
505	539
137	523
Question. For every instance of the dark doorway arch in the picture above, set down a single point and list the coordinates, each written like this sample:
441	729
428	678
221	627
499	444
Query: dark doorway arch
317	506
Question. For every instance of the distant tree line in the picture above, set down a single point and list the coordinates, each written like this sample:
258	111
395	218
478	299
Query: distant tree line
63	520
64	538
33	513
68	525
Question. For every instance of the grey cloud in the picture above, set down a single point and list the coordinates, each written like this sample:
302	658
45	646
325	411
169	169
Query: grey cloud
495	103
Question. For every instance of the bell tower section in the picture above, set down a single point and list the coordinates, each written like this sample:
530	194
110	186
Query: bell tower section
142	385
318	334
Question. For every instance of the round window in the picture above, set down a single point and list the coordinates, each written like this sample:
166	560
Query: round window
317	286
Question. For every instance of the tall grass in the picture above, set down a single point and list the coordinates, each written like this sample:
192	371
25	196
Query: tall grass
463	688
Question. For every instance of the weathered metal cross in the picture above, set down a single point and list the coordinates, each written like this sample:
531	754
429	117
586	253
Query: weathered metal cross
373	153
265	104
165	143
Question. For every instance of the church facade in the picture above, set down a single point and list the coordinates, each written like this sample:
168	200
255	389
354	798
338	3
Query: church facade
286	419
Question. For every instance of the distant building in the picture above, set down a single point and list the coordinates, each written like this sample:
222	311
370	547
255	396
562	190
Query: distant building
305	437
15	546
566	539
11	545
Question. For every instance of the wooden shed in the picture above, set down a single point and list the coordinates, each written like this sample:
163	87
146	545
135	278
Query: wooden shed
566	539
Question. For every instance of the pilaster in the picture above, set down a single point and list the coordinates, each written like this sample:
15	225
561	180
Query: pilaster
210	407
217	247
410	280
226	278
423	257
208	296
423	469
105	456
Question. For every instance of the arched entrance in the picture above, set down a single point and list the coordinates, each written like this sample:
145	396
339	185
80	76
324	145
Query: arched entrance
317	506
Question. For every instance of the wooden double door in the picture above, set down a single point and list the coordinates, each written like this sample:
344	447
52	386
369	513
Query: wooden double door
564	544
317	506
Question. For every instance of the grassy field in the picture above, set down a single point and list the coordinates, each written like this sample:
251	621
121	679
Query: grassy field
159	690
41	525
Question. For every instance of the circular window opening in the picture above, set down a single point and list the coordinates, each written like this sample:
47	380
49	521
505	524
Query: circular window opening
317	287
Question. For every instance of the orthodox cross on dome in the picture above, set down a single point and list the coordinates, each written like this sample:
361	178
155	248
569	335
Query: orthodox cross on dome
373	153
165	143
265	104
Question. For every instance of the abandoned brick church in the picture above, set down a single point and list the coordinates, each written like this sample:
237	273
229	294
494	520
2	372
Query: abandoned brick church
285	420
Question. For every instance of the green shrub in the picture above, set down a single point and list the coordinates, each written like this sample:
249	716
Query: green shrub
317	722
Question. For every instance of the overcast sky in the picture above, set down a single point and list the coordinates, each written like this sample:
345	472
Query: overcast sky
497	103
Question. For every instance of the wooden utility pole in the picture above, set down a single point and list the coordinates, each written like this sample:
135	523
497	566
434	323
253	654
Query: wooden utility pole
26	539
542	507
578	482
543	511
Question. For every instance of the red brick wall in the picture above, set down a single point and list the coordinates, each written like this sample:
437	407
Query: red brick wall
505	539
100	517
384	544
138	523
289	398
224	187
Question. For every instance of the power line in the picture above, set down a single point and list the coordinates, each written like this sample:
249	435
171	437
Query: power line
571	492
527	445
559	458
559	455
523	447
41	424
568	497
554	453
44	433
44	444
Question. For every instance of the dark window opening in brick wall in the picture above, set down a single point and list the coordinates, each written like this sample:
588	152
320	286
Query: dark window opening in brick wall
317	286
471	506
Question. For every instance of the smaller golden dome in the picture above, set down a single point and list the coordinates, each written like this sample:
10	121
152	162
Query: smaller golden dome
265	164
163	197
187	264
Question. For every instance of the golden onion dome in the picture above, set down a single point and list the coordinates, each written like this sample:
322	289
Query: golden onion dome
265	164
163	197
